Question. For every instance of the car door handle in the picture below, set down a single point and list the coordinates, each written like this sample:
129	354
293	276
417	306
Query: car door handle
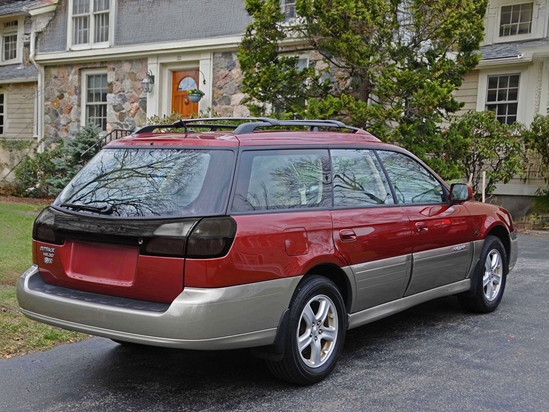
347	235
422	227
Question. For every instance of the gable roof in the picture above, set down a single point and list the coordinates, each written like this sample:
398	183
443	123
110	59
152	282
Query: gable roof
19	72
8	7
511	49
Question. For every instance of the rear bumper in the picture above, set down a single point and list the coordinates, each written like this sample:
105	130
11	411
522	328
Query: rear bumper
218	318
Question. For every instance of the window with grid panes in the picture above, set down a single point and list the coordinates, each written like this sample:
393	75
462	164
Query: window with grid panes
9	40
90	21
516	19
502	97
288	8
96	100
10	47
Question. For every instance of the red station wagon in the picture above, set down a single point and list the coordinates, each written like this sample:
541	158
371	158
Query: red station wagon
273	235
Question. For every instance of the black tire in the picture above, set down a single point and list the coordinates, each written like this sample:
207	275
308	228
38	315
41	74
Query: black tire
321	341
489	279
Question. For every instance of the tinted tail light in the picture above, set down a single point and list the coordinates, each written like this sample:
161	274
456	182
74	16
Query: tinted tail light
211	238
169	239
43	229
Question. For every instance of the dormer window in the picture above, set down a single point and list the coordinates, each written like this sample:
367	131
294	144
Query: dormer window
287	7
9	34
516	19
91	22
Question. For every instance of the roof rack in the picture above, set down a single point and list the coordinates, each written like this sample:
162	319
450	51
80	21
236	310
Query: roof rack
251	124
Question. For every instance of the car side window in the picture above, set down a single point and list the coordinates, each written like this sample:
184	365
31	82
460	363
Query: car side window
412	182
282	179
358	179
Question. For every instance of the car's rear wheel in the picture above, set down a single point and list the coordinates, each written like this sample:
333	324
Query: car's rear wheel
315	333
490	277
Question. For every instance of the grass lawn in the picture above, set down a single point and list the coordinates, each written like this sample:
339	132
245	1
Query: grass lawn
19	335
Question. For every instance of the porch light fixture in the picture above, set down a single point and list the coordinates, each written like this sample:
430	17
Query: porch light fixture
148	82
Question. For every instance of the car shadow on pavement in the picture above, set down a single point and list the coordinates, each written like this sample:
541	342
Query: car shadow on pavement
218	377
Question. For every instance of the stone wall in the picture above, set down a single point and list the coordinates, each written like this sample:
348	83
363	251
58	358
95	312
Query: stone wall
126	103
227	86
227	82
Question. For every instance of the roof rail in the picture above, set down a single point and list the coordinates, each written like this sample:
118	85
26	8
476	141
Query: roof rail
246	124
212	126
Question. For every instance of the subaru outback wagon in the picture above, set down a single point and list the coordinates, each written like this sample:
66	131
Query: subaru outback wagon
272	235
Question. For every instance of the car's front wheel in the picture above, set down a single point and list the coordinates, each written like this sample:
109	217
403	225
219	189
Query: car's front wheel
315	333
490	277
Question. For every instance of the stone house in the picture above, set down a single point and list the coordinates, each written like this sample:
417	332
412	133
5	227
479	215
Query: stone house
94	55
84	61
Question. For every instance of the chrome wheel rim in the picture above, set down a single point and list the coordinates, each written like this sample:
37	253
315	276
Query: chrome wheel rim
493	272
317	331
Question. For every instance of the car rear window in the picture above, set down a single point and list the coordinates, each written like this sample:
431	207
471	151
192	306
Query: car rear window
139	182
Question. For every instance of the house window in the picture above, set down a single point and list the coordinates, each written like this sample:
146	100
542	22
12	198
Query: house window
96	99
516	19
502	97
287	7
9	40
1	114
90	21
10	47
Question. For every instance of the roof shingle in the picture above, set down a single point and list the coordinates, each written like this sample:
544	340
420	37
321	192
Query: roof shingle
8	7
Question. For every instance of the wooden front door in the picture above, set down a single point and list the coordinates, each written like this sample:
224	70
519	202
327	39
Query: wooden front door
181	82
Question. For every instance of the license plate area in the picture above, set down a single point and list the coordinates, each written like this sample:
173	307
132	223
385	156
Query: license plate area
103	264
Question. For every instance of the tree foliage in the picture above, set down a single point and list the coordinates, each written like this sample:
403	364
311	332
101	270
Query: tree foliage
537	141
477	143
389	66
537	138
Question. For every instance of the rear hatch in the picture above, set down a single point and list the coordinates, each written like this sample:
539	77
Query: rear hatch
124	225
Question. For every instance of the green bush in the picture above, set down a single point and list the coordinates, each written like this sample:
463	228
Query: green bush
166	119
541	201
32	173
74	155
46	173
477	142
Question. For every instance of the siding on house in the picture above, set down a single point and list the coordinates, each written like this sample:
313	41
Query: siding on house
19	110
19	124
467	93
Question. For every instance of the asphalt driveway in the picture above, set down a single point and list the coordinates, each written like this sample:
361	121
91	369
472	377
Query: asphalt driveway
434	357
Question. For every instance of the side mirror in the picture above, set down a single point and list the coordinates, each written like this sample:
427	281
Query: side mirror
460	192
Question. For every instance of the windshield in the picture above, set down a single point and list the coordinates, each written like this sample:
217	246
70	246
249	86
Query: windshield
151	182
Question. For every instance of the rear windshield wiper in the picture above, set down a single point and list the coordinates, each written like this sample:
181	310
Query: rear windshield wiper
104	210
